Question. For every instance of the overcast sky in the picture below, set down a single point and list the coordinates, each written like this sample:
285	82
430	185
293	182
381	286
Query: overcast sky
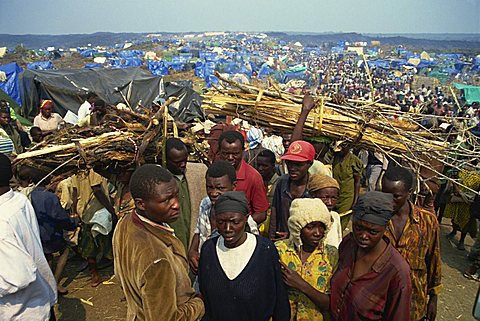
368	16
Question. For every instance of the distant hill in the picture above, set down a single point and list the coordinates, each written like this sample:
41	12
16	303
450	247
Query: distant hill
67	41
426	41
439	41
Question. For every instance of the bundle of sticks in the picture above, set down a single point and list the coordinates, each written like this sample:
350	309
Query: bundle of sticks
369	125
123	140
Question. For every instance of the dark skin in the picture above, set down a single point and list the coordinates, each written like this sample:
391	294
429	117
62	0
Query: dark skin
328	195
265	168
401	209
231	226
4	119
370	242
177	161
216	186
162	205
311	235
298	172
286	140
233	153
307	105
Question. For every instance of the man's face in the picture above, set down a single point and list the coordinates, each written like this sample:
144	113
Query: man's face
265	167
232	152
297	170
37	136
216	186
399	192
286	140
46	112
177	161
328	195
231	226
366	234
4	119
162	206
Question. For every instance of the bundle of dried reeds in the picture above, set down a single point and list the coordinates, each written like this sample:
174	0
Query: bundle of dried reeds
366	124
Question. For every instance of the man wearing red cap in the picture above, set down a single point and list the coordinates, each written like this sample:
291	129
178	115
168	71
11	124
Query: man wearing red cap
298	158
47	121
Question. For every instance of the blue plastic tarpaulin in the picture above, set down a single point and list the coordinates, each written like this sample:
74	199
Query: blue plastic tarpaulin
40	65
11	85
89	66
133	62
157	68
130	54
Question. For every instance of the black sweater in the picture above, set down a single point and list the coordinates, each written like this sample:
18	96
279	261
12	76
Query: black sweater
256	294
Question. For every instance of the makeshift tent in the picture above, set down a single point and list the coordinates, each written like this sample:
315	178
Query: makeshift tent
40	65
67	88
10	85
472	93
188	106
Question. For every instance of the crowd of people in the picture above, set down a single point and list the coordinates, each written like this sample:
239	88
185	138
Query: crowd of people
272	229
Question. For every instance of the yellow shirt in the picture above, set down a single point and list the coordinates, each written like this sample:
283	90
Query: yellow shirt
316	271
87	203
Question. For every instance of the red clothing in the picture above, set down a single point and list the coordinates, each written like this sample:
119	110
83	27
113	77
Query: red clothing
250	181
382	294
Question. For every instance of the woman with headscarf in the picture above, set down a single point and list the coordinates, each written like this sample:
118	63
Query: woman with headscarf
239	273
372	281
307	261
327	189
47	120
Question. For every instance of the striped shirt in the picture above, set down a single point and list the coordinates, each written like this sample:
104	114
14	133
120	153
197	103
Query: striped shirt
384	293
6	144
419	244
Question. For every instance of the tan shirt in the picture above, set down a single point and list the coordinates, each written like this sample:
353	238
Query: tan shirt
51	123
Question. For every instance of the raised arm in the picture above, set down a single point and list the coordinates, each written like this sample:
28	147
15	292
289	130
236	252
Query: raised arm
307	105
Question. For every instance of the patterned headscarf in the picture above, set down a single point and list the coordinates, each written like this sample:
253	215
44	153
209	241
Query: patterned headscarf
46	103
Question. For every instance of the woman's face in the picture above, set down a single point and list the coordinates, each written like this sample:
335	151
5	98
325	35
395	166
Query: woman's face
231	226
328	195
367	235
312	234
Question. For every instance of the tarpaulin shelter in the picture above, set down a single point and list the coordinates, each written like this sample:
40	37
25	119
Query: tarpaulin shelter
11	86
67	88
188	106
40	65
472	93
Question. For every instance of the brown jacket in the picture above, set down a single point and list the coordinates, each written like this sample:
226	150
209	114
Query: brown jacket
153	270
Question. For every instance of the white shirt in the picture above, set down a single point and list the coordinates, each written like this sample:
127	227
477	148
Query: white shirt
335	235
84	110
27	286
233	261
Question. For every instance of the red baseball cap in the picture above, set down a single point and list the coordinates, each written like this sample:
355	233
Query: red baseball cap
300	151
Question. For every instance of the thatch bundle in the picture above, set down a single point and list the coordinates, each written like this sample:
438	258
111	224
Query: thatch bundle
123	141
366	124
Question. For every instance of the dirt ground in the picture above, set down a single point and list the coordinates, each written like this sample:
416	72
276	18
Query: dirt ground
107	302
